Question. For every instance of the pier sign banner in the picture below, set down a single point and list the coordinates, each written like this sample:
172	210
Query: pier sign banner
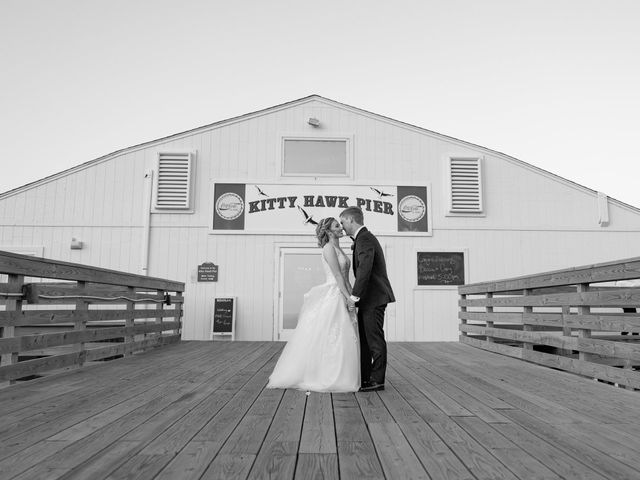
296	209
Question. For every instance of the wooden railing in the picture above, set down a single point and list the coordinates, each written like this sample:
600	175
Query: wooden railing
584	320
94	314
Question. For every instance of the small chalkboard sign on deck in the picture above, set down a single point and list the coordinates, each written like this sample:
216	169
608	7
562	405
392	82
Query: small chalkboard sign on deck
440	268
224	317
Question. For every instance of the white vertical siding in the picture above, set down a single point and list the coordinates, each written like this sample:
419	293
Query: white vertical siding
533	222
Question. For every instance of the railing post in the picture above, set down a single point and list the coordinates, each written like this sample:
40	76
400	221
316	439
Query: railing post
463	308
178	306
82	306
525	327
566	331
489	323
129	322
583	332
12	305
159	307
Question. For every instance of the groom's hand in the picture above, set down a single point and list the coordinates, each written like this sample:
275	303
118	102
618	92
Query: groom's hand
351	305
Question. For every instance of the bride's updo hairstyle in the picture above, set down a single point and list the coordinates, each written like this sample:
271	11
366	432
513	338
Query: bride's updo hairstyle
322	231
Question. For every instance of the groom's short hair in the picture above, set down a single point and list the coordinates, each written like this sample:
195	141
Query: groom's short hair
355	213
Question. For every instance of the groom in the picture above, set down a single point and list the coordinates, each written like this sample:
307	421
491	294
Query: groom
371	293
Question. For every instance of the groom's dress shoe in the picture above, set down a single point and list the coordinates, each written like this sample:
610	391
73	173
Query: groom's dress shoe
372	387
363	386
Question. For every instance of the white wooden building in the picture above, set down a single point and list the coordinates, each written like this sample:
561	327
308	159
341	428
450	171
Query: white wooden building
446	211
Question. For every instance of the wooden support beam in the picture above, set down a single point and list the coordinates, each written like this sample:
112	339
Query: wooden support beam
14	305
81	306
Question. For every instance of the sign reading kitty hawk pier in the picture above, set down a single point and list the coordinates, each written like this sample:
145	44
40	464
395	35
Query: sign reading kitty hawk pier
295	209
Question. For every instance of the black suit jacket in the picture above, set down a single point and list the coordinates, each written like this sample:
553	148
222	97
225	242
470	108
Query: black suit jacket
372	284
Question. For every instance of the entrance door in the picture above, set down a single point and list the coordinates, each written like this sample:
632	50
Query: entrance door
300	268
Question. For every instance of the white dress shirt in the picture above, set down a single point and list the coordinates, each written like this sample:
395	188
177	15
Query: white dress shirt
353	297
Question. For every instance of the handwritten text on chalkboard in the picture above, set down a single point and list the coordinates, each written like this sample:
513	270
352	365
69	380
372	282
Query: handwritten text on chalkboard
223	315
440	268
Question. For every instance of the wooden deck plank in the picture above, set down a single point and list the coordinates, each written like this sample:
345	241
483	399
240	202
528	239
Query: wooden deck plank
475	457
434	454
200	410
237	431
97	390
466	401
619	446
557	382
317	466
82	412
396	455
545	387
427	410
278	454
73	451
444	402
356	452
162	436
592	457
318	429
516	398
564	465
394	452
228	466
518	461
463	384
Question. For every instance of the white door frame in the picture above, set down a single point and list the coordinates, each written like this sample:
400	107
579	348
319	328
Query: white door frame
278	284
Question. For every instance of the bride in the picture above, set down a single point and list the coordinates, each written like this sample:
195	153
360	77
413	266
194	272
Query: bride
323	353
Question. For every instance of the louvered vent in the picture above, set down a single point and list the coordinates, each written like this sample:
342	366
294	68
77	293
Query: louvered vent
466	185
174	181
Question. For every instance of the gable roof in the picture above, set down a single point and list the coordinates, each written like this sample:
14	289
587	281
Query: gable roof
300	101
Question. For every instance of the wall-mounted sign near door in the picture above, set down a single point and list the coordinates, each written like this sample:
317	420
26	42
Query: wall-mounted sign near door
207	272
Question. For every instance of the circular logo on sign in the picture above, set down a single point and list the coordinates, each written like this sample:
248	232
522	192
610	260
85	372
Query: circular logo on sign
412	208
229	206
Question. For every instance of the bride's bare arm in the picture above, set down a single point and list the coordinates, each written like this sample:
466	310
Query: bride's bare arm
331	257
347	283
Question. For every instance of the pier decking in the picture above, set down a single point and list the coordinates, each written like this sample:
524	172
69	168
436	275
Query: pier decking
200	410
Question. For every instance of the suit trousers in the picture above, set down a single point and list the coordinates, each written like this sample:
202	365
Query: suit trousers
373	347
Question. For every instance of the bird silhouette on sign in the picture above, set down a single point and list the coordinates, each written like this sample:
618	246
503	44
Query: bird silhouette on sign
307	218
260	192
381	193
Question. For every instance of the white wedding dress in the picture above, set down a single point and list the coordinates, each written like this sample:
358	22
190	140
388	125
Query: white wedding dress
323	354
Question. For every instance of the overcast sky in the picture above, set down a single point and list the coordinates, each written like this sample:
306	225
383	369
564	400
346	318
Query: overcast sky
555	83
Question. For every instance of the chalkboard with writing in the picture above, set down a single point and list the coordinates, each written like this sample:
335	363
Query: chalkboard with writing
440	268
223	316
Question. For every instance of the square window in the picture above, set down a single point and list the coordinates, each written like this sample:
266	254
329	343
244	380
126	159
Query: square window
315	157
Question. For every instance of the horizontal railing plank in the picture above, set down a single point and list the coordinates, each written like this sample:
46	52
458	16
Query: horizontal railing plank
13	263
620	322
25	343
515	352
39	365
51	317
55	362
94	293
623	297
623	350
116	349
10	289
603	272
621	376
